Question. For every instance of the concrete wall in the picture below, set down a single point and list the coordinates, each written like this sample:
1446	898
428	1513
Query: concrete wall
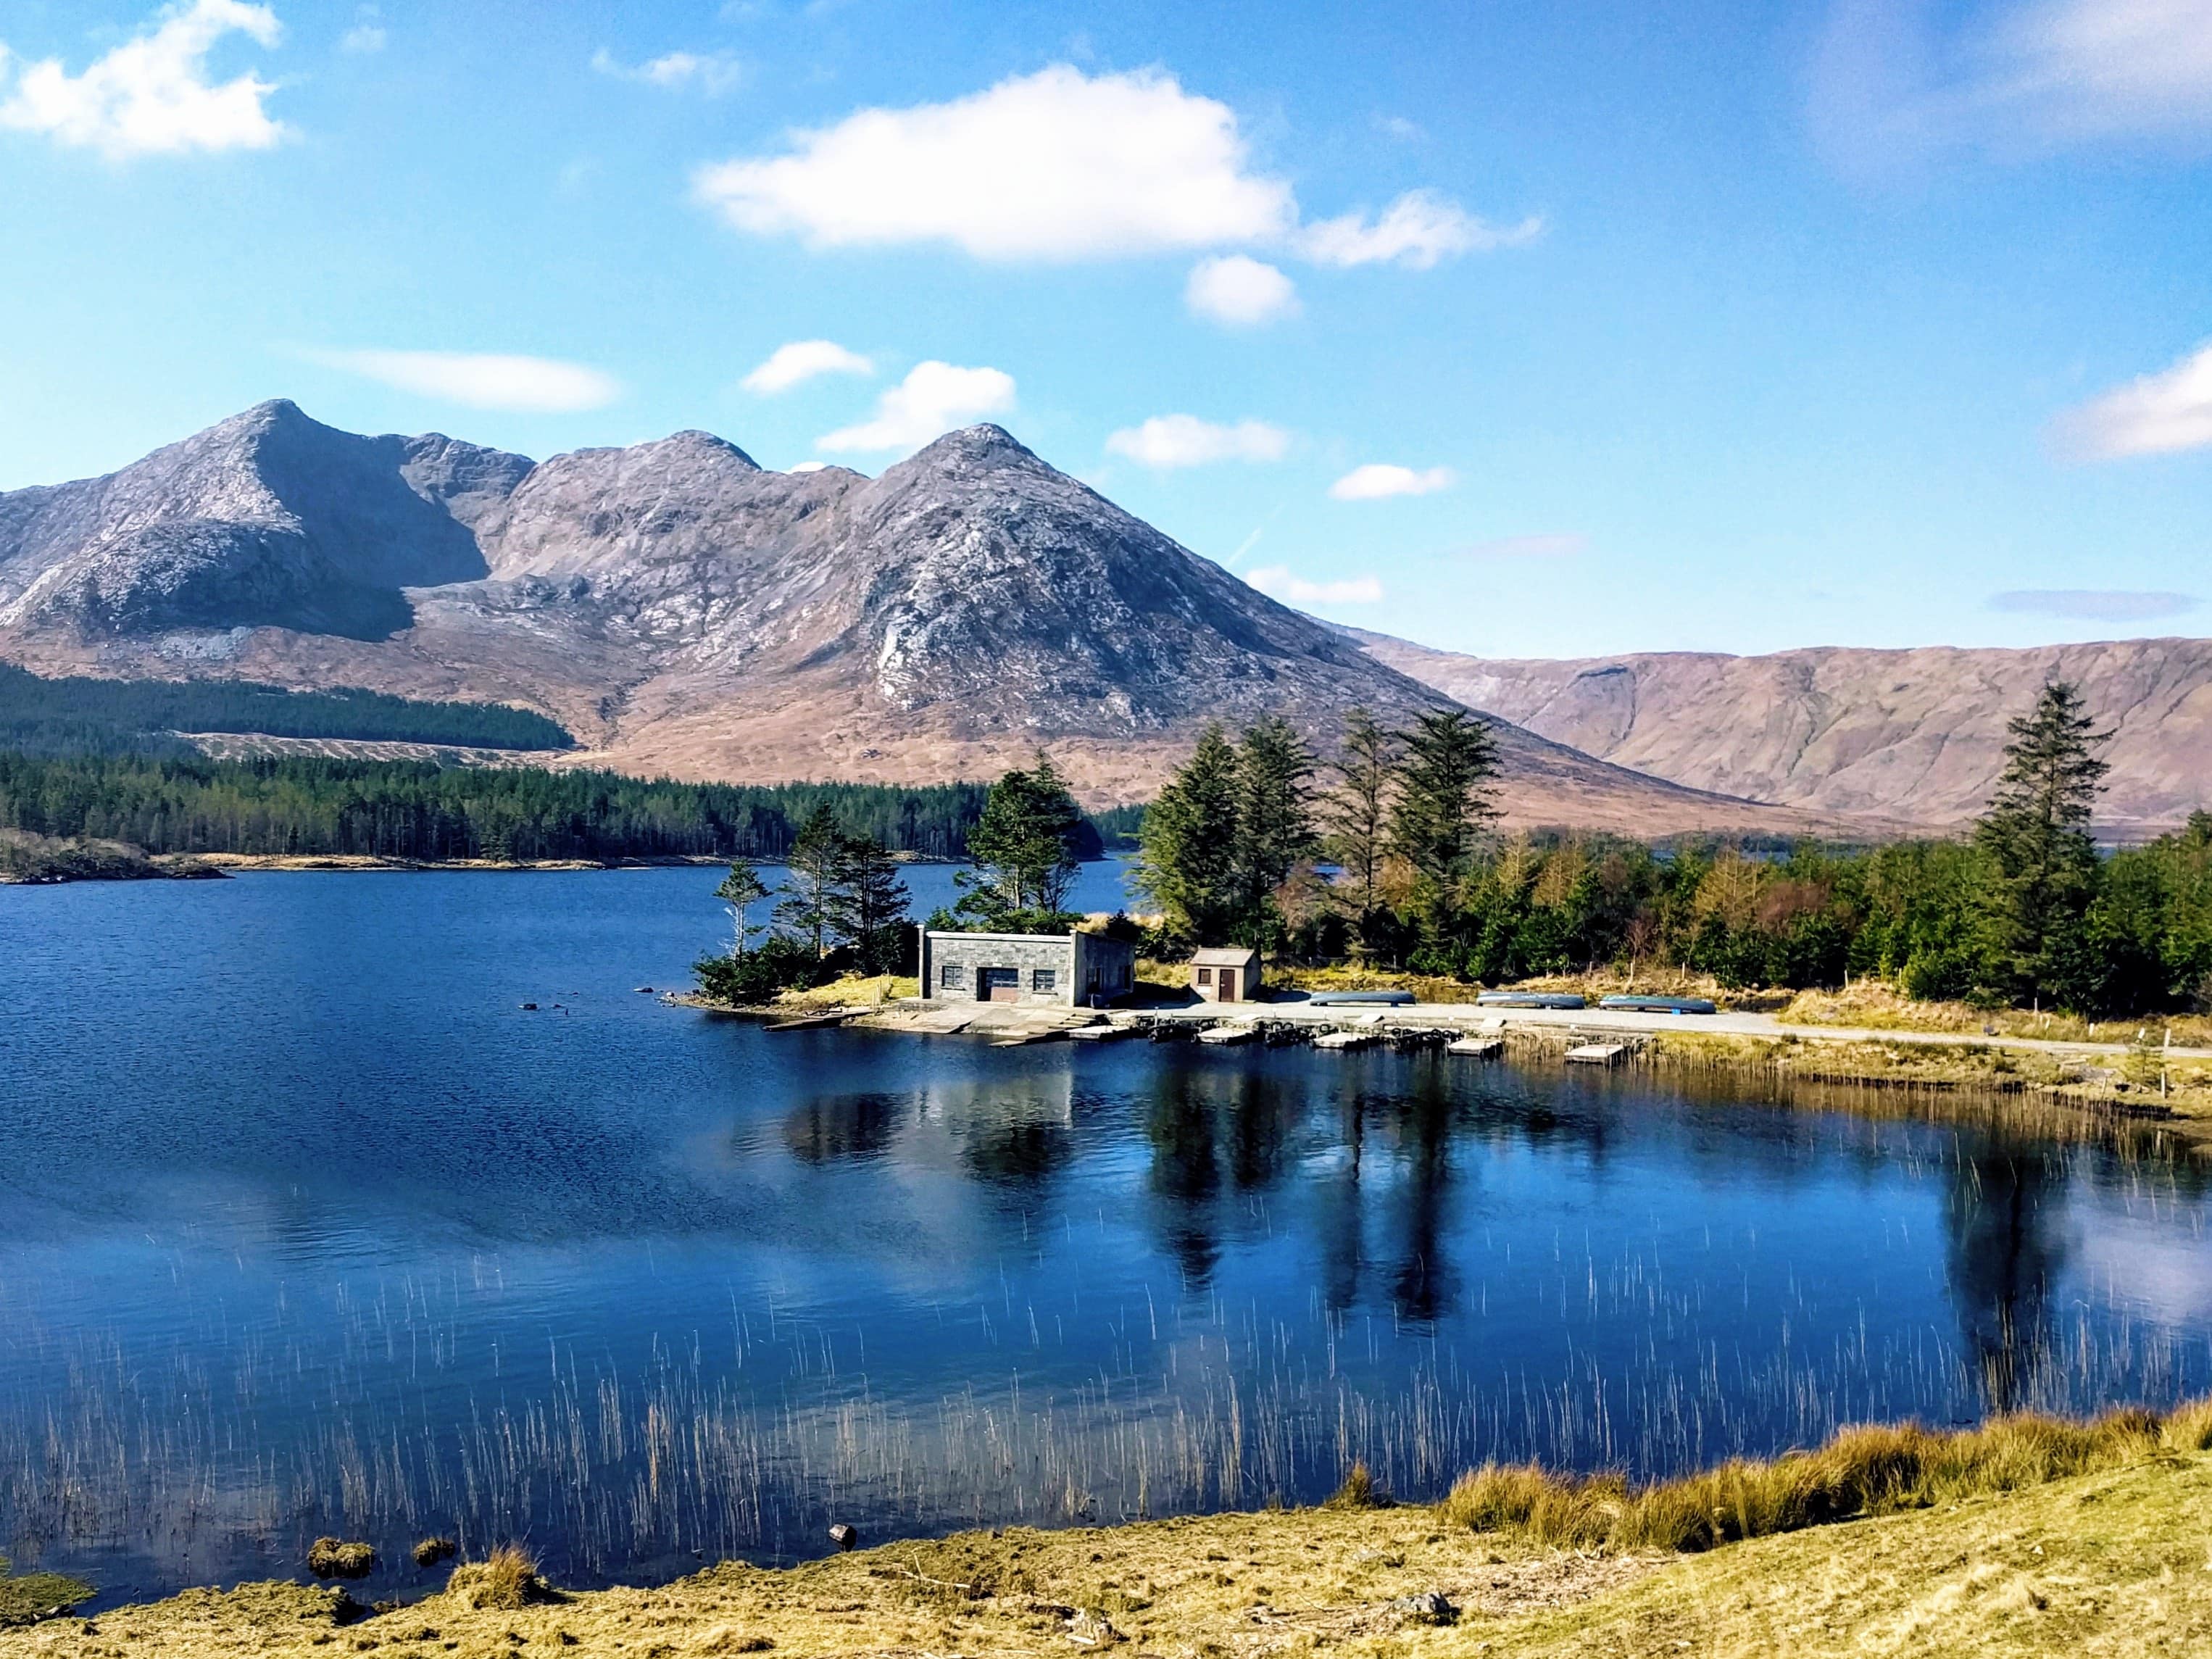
965	955
1104	968
1082	966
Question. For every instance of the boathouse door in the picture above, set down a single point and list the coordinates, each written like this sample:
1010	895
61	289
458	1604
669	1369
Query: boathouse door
998	985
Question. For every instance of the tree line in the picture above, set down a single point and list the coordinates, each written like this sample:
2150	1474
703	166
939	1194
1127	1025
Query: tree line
78	714
1388	854
842	908
421	810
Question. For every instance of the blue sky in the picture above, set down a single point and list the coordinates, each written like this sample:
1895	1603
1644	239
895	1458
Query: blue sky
1533	329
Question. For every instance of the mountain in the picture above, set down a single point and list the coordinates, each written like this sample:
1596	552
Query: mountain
1915	734
687	612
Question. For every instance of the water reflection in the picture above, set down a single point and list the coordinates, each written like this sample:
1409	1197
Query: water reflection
634	1283
2006	1226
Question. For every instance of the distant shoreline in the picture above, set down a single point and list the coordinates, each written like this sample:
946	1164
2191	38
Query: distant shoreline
223	864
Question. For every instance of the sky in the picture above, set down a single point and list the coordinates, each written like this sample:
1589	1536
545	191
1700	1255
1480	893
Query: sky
1525	329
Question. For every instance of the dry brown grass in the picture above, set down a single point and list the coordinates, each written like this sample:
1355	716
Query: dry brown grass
507	1580
853	991
2091	1566
1872	1470
1878	1004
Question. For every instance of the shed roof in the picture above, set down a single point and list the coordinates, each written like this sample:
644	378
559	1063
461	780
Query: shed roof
1224	955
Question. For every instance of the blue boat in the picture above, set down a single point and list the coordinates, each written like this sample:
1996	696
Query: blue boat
1633	1004
1357	999
1531	999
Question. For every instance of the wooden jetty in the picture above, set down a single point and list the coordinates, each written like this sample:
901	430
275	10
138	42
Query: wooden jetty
1344	1039
1102	1033
1226	1034
1599	1054
1481	1047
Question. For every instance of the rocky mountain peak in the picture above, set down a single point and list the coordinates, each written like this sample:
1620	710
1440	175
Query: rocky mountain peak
981	446
694	614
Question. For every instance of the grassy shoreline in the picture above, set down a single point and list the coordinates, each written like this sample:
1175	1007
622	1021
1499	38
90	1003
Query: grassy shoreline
2028	1536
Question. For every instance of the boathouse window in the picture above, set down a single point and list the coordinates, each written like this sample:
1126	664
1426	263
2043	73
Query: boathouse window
950	976
1205	977
1043	979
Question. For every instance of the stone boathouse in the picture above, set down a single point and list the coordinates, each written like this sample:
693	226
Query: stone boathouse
1079	970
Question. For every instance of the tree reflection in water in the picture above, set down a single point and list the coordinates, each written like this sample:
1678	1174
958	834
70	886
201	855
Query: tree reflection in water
2004	1216
1212	1132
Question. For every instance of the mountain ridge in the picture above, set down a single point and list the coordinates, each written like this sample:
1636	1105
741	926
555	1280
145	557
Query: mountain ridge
1915	733
687	612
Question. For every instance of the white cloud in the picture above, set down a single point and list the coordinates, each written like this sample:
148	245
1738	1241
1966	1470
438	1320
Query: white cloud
933	398
151	95
711	73
1056	165
800	361
1061	165
1175	441
1890	89
2159	414
2097	66
1278	583
812	466
2094	603
1563	545
361	38
1240	291
1417	230
1378	479
481	381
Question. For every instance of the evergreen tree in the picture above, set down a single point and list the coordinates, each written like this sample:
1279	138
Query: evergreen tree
741	889
2036	834
866	905
1273	824
1356	819
816	865
1023	849
1187	860
1442	805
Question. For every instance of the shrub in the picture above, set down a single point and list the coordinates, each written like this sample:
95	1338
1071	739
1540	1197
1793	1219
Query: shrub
778	963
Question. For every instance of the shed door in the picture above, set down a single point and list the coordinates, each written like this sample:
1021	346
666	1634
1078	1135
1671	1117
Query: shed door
998	985
1225	982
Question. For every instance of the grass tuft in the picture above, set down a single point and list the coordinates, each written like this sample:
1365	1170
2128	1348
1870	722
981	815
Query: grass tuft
1359	1492
506	1580
333	1558
1872	1470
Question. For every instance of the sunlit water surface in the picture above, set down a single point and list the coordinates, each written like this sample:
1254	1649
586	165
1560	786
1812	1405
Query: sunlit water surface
307	1226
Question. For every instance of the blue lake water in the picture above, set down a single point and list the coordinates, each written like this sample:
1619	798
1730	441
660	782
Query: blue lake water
306	1226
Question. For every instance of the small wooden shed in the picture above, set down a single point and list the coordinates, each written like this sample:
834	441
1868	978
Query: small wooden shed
1226	974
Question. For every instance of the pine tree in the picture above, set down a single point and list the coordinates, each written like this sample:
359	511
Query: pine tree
1186	851
1356	817
1023	847
741	889
817	863
2036	834
866	905
1273	824
1443	805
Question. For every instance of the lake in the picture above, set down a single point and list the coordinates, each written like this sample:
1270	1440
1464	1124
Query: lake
306	1226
